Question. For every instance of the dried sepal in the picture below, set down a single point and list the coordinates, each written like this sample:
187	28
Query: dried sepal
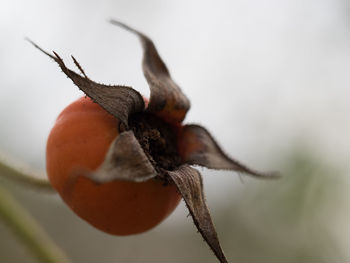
125	161
167	99
198	147
120	101
189	183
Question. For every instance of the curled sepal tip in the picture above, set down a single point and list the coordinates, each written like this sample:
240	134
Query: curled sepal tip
166	97
120	101
198	147
189	183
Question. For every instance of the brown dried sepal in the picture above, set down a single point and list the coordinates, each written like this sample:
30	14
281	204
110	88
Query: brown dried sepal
198	147
167	99
189	183
124	161
120	101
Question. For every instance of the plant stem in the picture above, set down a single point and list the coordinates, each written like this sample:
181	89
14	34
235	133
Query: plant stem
15	174
25	227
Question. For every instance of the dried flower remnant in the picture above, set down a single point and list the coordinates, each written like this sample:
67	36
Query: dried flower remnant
151	143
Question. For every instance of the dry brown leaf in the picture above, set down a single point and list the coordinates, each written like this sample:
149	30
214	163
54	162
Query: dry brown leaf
198	147
120	101
166	99
189	183
124	161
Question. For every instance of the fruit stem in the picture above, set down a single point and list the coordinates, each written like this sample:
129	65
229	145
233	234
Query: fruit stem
26	229
26	178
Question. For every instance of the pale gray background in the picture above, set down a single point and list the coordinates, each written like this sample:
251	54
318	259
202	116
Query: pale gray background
263	76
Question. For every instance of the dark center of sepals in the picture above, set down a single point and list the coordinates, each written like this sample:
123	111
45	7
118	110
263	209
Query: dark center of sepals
158	139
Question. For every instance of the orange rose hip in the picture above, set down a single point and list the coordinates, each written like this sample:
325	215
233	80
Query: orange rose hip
125	174
79	141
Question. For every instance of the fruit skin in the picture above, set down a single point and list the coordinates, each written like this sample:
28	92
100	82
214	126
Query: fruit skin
78	142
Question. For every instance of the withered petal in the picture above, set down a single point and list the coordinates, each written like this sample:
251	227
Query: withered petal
198	147
167	99
125	161
120	101
189	183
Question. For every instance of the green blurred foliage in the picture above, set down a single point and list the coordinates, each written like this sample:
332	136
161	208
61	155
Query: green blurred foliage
292	219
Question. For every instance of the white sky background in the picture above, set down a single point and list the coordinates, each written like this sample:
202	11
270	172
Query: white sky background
260	74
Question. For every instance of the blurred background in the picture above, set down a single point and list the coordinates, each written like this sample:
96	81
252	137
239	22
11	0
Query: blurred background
268	78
